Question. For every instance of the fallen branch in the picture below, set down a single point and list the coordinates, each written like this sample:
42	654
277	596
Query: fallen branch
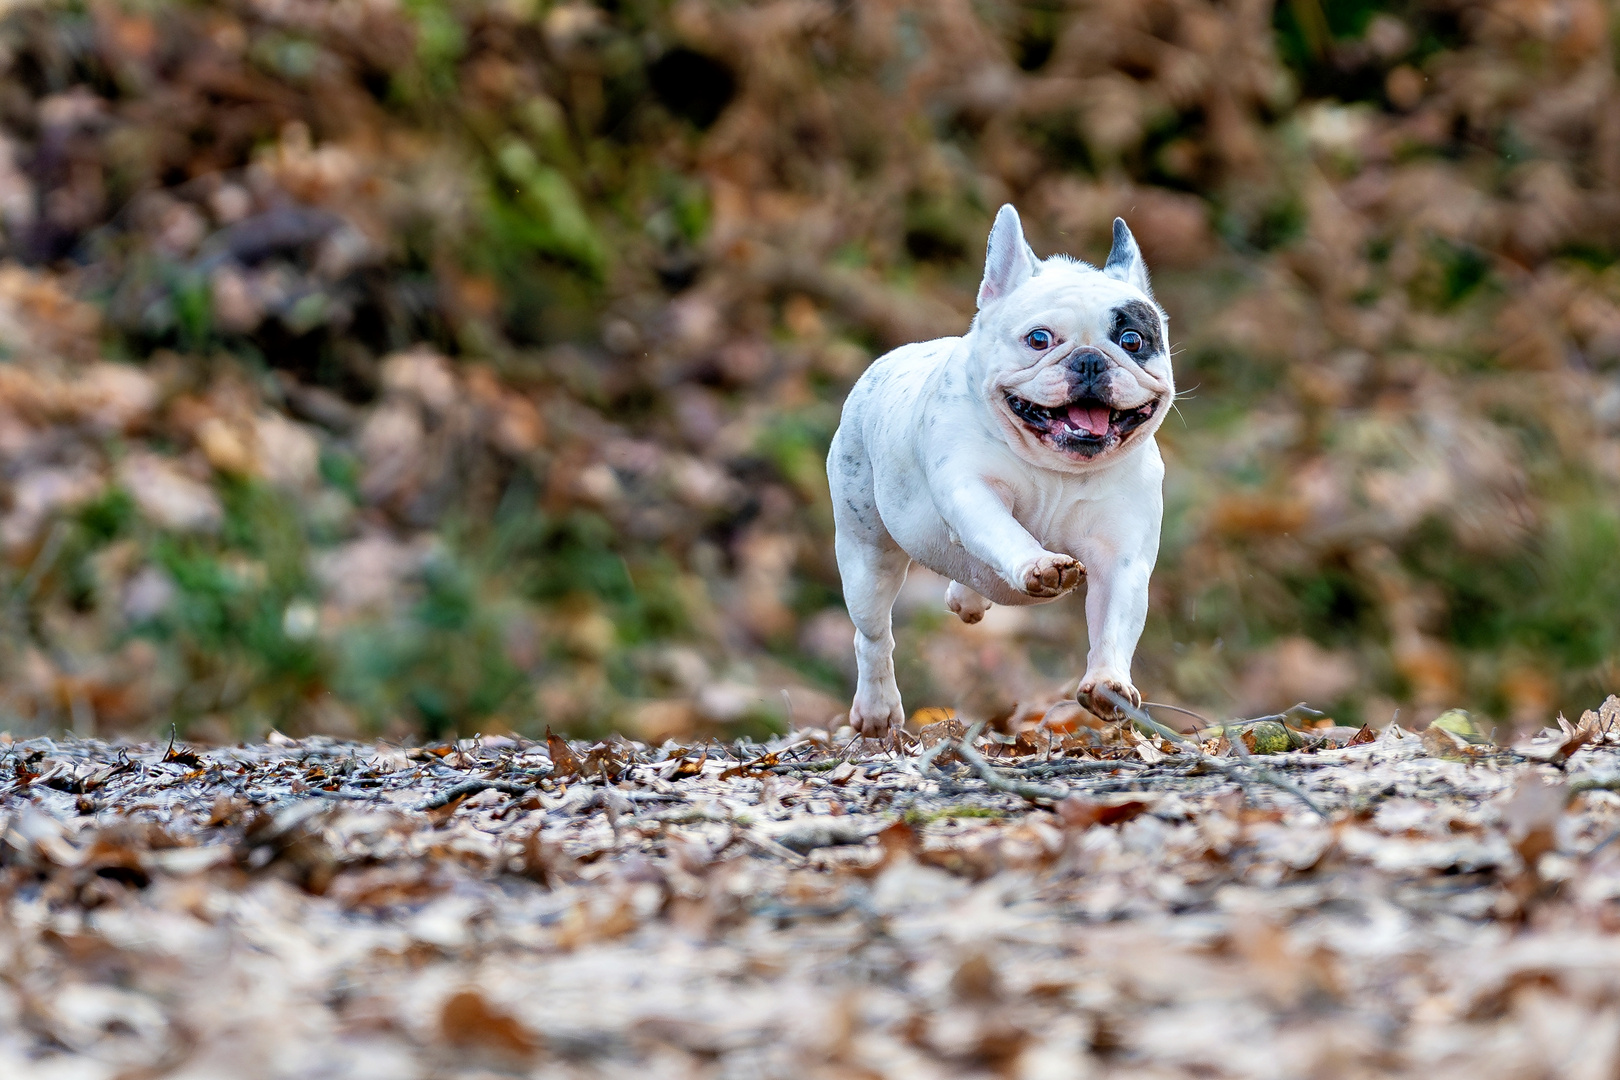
773	848
1207	722
472	787
1235	772
1594	783
1035	793
925	760
819	832
1070	766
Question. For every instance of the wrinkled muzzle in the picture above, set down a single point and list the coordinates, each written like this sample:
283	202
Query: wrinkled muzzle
1093	377
1102	404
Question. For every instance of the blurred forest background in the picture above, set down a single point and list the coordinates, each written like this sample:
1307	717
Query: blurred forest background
431	366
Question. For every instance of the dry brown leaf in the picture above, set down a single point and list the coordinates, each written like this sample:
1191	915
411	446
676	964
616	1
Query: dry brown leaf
564	764
469	1023
1081	813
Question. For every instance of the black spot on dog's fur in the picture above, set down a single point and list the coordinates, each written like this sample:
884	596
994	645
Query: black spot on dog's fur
1144	318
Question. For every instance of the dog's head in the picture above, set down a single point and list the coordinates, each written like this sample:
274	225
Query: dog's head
1073	361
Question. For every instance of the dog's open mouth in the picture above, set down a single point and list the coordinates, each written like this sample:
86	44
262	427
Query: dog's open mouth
1084	425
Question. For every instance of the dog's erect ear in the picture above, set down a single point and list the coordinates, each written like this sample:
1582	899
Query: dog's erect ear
1009	262
1125	259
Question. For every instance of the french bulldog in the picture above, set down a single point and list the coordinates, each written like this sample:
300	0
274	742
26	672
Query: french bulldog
1017	460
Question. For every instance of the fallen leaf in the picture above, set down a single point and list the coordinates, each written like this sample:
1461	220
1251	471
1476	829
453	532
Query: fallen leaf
563	762
975	980
468	1022
601	760
689	767
1078	812
844	773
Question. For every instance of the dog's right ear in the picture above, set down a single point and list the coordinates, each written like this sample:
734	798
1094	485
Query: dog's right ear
1009	262
1125	261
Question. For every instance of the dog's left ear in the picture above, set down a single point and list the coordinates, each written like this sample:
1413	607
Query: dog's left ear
1008	262
1125	259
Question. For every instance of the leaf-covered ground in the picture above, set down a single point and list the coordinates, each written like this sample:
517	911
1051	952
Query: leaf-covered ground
320	908
374	368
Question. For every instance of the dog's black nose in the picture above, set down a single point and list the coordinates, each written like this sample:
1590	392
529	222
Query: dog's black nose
1087	366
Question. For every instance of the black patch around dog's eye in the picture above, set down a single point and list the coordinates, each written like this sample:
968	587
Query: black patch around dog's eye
1143	318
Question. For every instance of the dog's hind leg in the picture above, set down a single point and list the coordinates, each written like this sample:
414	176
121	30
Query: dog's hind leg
968	605
873	573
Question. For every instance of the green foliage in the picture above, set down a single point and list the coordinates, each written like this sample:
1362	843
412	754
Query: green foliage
1306	29
796	443
1557	595
688	202
445	662
340	470
1311	35
1272	223
1454	273
440	42
193	310
1059	134
553	557
536	207
107	517
292	58
1333	605
230	620
937	229
550	559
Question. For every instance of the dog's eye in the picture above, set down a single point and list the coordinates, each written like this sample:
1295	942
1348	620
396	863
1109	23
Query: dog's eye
1130	341
1039	339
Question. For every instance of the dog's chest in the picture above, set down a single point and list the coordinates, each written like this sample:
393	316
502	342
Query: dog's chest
1052	509
1059	512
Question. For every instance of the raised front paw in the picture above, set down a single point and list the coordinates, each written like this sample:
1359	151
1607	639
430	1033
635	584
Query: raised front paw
1050	574
1102	692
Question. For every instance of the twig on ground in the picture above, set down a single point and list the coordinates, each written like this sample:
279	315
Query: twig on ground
1235	772
818	766
1068	766
1298	706
1033	792
1594	783
772	848
1177	708
925	760
472	787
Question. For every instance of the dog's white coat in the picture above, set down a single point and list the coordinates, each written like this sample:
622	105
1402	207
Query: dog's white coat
930	464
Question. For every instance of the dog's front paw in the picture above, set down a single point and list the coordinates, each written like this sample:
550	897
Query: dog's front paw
1098	692
1051	574
876	712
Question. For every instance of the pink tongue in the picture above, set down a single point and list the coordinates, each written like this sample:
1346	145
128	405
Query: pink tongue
1093	420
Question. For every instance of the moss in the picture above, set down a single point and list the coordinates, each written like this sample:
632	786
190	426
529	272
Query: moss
917	817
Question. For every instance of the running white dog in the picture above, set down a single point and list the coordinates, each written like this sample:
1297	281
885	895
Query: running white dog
1017	461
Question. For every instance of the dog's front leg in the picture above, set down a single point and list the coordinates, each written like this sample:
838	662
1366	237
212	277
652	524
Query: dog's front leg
1116	609
981	522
